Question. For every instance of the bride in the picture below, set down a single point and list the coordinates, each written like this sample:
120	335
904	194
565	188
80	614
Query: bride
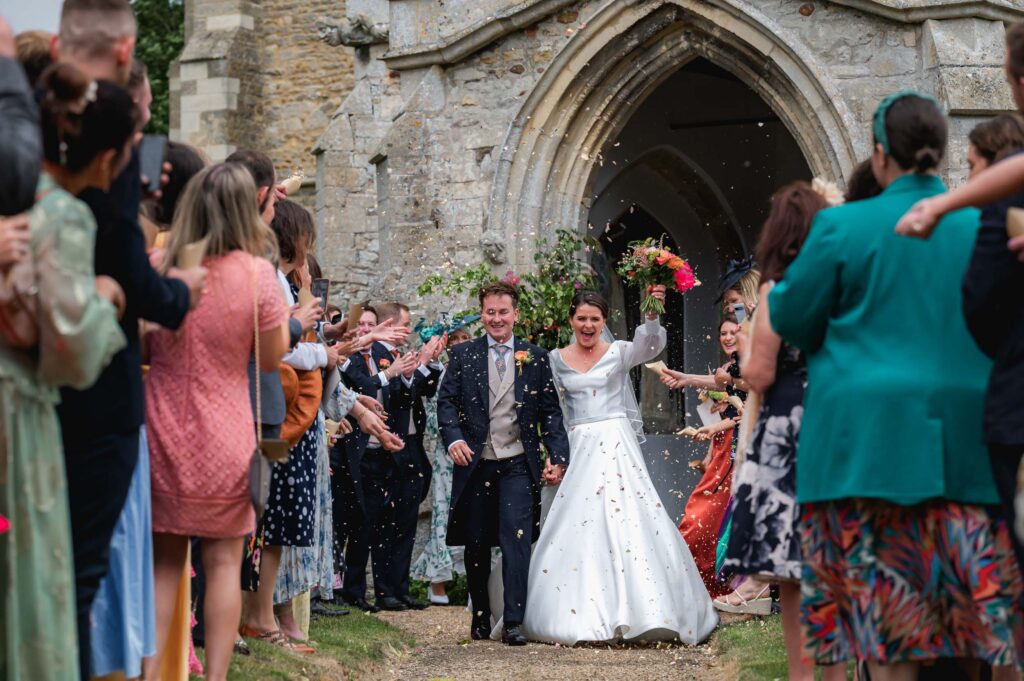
609	563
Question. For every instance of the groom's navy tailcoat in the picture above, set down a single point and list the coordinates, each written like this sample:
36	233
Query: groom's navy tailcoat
463	413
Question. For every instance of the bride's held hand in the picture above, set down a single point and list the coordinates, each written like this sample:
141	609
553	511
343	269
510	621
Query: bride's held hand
552	474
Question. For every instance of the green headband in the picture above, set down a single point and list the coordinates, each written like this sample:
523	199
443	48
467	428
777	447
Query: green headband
881	136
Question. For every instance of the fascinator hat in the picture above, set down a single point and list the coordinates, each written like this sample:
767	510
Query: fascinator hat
439	328
734	271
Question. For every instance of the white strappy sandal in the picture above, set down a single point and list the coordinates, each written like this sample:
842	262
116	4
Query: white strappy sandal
758	605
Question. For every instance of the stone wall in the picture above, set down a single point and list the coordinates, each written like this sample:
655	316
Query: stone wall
304	80
254	74
483	126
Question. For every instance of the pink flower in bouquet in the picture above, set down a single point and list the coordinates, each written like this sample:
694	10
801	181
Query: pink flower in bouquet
684	278
511	278
4	525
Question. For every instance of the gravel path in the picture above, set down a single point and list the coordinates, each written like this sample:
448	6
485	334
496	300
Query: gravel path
444	653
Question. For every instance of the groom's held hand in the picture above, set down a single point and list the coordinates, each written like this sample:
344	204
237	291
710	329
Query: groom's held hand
461	453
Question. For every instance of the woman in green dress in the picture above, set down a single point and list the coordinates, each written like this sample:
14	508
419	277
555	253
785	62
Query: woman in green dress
902	561
87	129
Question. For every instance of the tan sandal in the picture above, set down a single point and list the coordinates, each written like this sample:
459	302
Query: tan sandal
758	605
275	637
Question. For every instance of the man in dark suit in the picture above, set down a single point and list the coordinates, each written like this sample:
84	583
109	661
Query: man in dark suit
412	479
994	310
496	404
100	425
368	473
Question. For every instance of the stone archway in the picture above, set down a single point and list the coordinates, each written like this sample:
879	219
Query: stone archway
546	169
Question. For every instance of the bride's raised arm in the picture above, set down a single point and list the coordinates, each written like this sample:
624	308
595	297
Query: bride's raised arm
649	339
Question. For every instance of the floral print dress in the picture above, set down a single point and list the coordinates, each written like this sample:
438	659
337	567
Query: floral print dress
765	540
438	561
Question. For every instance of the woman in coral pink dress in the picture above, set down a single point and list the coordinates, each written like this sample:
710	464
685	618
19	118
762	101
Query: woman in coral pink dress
198	413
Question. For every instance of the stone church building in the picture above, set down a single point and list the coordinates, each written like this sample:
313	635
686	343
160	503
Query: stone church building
455	131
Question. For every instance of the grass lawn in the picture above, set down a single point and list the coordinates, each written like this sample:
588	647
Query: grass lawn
755	649
346	646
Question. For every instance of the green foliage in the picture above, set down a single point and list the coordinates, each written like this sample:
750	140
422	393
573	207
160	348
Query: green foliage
545	293
161	39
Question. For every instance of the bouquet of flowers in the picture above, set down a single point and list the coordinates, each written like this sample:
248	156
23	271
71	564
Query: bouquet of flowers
647	264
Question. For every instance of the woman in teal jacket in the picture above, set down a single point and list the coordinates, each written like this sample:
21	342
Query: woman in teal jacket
902	562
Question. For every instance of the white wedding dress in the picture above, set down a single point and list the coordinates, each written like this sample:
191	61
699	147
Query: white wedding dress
610	563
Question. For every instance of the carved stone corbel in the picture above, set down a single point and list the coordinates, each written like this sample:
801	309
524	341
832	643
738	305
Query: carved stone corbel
358	31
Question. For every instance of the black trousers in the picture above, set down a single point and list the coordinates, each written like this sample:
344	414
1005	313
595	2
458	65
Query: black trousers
402	514
368	532
1005	459
500	501
99	474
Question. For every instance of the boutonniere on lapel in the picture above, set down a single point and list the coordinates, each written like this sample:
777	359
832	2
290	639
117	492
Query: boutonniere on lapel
523	357
384	363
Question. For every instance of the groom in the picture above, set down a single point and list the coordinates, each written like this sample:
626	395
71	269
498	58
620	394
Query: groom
496	403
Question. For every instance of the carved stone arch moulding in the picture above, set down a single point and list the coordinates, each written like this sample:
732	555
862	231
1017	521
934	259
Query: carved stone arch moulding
546	169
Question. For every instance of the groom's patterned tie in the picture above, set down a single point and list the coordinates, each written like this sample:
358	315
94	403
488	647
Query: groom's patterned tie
499	360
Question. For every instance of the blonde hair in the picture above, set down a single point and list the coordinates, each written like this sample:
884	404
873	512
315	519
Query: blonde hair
219	202
748	286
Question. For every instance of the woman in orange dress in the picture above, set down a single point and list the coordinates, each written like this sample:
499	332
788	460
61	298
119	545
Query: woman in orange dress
706	509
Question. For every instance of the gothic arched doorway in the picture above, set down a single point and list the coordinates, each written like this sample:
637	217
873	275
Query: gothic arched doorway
701	175
560	166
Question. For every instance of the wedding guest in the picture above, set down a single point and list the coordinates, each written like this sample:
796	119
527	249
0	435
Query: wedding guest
76	335
738	286
418	375
199	418
20	144
862	183
889	475
990	304
765	540
33	52
185	161
705	510
369	475
100	425
439	562
993	140
123	636
289	517
138	87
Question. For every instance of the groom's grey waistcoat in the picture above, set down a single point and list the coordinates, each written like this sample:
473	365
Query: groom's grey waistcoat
503	440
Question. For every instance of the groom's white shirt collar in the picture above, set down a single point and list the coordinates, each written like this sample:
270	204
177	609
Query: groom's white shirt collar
510	343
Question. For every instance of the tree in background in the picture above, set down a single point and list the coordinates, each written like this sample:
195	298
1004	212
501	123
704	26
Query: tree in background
161	38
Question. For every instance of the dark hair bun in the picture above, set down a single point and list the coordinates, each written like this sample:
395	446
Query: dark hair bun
65	88
82	118
926	159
